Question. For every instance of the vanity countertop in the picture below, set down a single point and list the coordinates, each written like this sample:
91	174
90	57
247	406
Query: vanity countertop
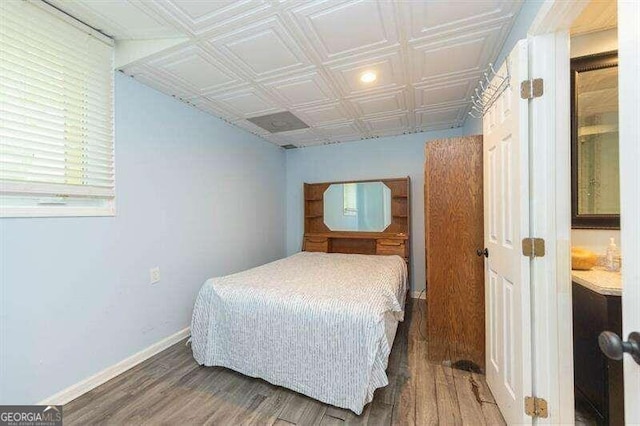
599	280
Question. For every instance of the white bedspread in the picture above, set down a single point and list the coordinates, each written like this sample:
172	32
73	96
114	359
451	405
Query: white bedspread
315	323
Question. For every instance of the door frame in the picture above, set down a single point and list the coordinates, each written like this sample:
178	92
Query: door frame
550	145
550	133
629	92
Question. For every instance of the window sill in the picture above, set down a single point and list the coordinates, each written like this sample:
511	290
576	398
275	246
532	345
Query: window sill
62	211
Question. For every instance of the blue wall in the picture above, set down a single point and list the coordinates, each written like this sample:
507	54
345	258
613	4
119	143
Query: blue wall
390	157
195	196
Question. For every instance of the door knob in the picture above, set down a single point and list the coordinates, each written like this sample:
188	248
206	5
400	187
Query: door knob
481	252
613	346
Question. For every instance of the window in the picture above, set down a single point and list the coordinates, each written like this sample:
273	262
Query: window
56	115
350	200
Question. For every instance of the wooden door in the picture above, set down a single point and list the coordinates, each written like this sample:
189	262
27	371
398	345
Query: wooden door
506	199
454	233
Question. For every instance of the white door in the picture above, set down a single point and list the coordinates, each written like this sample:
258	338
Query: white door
507	277
629	92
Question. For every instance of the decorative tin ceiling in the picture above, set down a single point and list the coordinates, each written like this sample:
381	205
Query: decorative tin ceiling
242	59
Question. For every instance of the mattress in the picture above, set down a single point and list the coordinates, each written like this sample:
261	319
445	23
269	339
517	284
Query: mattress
319	324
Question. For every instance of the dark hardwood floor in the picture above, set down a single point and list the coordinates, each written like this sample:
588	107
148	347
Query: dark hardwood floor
171	388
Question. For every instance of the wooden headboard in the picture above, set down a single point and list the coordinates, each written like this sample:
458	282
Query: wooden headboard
393	240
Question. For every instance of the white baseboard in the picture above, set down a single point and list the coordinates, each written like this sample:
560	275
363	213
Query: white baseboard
74	391
421	294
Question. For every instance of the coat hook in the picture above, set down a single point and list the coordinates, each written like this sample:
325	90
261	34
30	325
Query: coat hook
492	90
489	85
488	89
498	75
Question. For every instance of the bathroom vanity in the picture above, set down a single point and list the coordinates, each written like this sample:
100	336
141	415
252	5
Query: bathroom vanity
598	380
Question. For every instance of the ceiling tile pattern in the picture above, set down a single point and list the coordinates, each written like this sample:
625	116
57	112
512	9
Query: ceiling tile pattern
340	29
253	57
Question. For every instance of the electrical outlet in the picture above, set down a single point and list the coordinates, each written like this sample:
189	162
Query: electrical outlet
154	275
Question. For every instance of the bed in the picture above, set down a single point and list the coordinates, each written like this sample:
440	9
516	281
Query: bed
321	324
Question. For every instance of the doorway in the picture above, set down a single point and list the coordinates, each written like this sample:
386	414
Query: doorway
552	293
596	288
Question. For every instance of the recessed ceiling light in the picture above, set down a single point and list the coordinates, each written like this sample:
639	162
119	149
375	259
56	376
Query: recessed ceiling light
368	77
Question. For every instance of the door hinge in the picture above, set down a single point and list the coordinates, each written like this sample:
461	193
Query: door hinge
530	89
533	247
535	407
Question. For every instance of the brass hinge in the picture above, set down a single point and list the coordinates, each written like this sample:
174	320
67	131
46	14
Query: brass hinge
530	89
535	407
533	247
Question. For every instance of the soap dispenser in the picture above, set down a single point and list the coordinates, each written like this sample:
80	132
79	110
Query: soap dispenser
613	257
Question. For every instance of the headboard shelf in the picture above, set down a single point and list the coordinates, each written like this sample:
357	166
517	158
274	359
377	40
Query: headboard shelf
394	240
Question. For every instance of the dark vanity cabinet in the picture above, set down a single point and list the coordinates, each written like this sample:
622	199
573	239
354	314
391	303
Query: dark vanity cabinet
598	380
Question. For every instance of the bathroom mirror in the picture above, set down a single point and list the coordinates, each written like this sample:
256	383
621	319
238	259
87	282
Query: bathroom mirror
594	139
357	206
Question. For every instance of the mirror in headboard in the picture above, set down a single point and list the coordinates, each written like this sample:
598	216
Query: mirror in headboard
357	206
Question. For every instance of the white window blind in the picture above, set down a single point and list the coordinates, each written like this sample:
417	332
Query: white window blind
56	115
350	199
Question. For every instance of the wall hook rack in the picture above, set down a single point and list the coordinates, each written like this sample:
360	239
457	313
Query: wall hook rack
489	90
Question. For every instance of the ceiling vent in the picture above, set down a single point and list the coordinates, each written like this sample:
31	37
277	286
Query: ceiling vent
278	122
289	146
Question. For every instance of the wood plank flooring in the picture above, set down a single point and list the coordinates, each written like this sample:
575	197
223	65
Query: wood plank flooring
171	388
